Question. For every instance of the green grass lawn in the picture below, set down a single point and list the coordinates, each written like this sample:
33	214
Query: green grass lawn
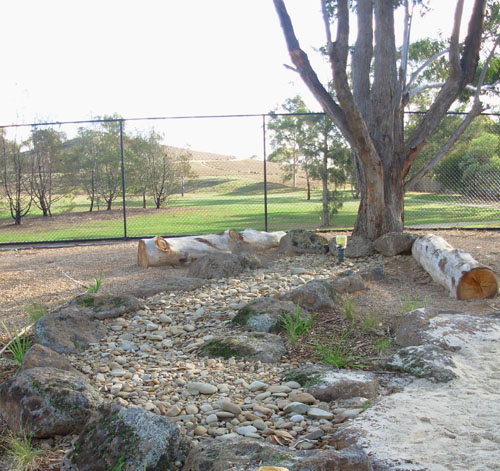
217	205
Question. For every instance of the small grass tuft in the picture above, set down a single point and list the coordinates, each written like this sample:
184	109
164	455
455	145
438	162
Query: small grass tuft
339	350
21	453
410	304
370	321
36	311
349	307
19	344
382	345
96	285
296	325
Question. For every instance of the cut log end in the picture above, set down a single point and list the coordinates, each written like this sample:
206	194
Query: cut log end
478	283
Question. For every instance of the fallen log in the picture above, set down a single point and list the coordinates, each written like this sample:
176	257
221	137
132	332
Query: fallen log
454	269
159	251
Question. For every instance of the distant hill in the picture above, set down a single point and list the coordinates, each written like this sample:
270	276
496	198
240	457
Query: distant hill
198	156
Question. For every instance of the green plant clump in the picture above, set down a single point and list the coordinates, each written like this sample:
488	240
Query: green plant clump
349	307
410	304
36	311
22	454
19	345
296	325
382	344
339	350
96	285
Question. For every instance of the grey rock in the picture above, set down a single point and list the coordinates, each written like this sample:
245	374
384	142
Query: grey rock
395	243
129	439
358	247
316	413
265	314
224	265
106	306
315	295
301	241
412	328
329	384
47	401
166	285
376	273
68	331
268	348
296	408
43	357
349	284
248	454
424	361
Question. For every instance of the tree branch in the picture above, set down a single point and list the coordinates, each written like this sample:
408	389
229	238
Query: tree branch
304	68
453	85
415	91
361	60
476	109
362	141
405	48
415	74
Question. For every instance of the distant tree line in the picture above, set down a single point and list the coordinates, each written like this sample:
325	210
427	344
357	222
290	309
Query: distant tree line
47	166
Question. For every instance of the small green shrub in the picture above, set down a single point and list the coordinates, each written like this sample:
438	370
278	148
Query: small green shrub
410	303
19	344
349	307
296	325
382	344
339	350
96	285
36	311
370	321
21	453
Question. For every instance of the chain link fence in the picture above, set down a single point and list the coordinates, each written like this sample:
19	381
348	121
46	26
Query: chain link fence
120	178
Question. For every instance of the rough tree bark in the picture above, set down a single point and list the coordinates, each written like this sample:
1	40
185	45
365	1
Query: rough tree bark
368	109
454	269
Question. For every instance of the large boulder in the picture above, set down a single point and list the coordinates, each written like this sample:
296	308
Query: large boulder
127	439
301	241
424	361
224	265
358	247
395	243
47	401
330	384
39	356
69	330
250	455
165	285
268	348
265	314
315	295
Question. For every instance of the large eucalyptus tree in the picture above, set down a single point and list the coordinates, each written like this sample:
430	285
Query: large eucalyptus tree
372	87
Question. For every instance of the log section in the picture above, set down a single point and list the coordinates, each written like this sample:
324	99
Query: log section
160	251
454	269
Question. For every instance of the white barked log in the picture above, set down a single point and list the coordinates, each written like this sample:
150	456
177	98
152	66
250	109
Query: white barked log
159	251
455	269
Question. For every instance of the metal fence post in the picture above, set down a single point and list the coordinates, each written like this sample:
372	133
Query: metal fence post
265	170
123	182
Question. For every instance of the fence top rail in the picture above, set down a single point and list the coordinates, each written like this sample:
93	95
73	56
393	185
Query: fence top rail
157	118
160	118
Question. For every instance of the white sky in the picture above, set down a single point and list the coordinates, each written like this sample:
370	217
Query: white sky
75	59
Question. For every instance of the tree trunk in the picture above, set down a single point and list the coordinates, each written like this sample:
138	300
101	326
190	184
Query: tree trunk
325	219
456	270
159	251
143	200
